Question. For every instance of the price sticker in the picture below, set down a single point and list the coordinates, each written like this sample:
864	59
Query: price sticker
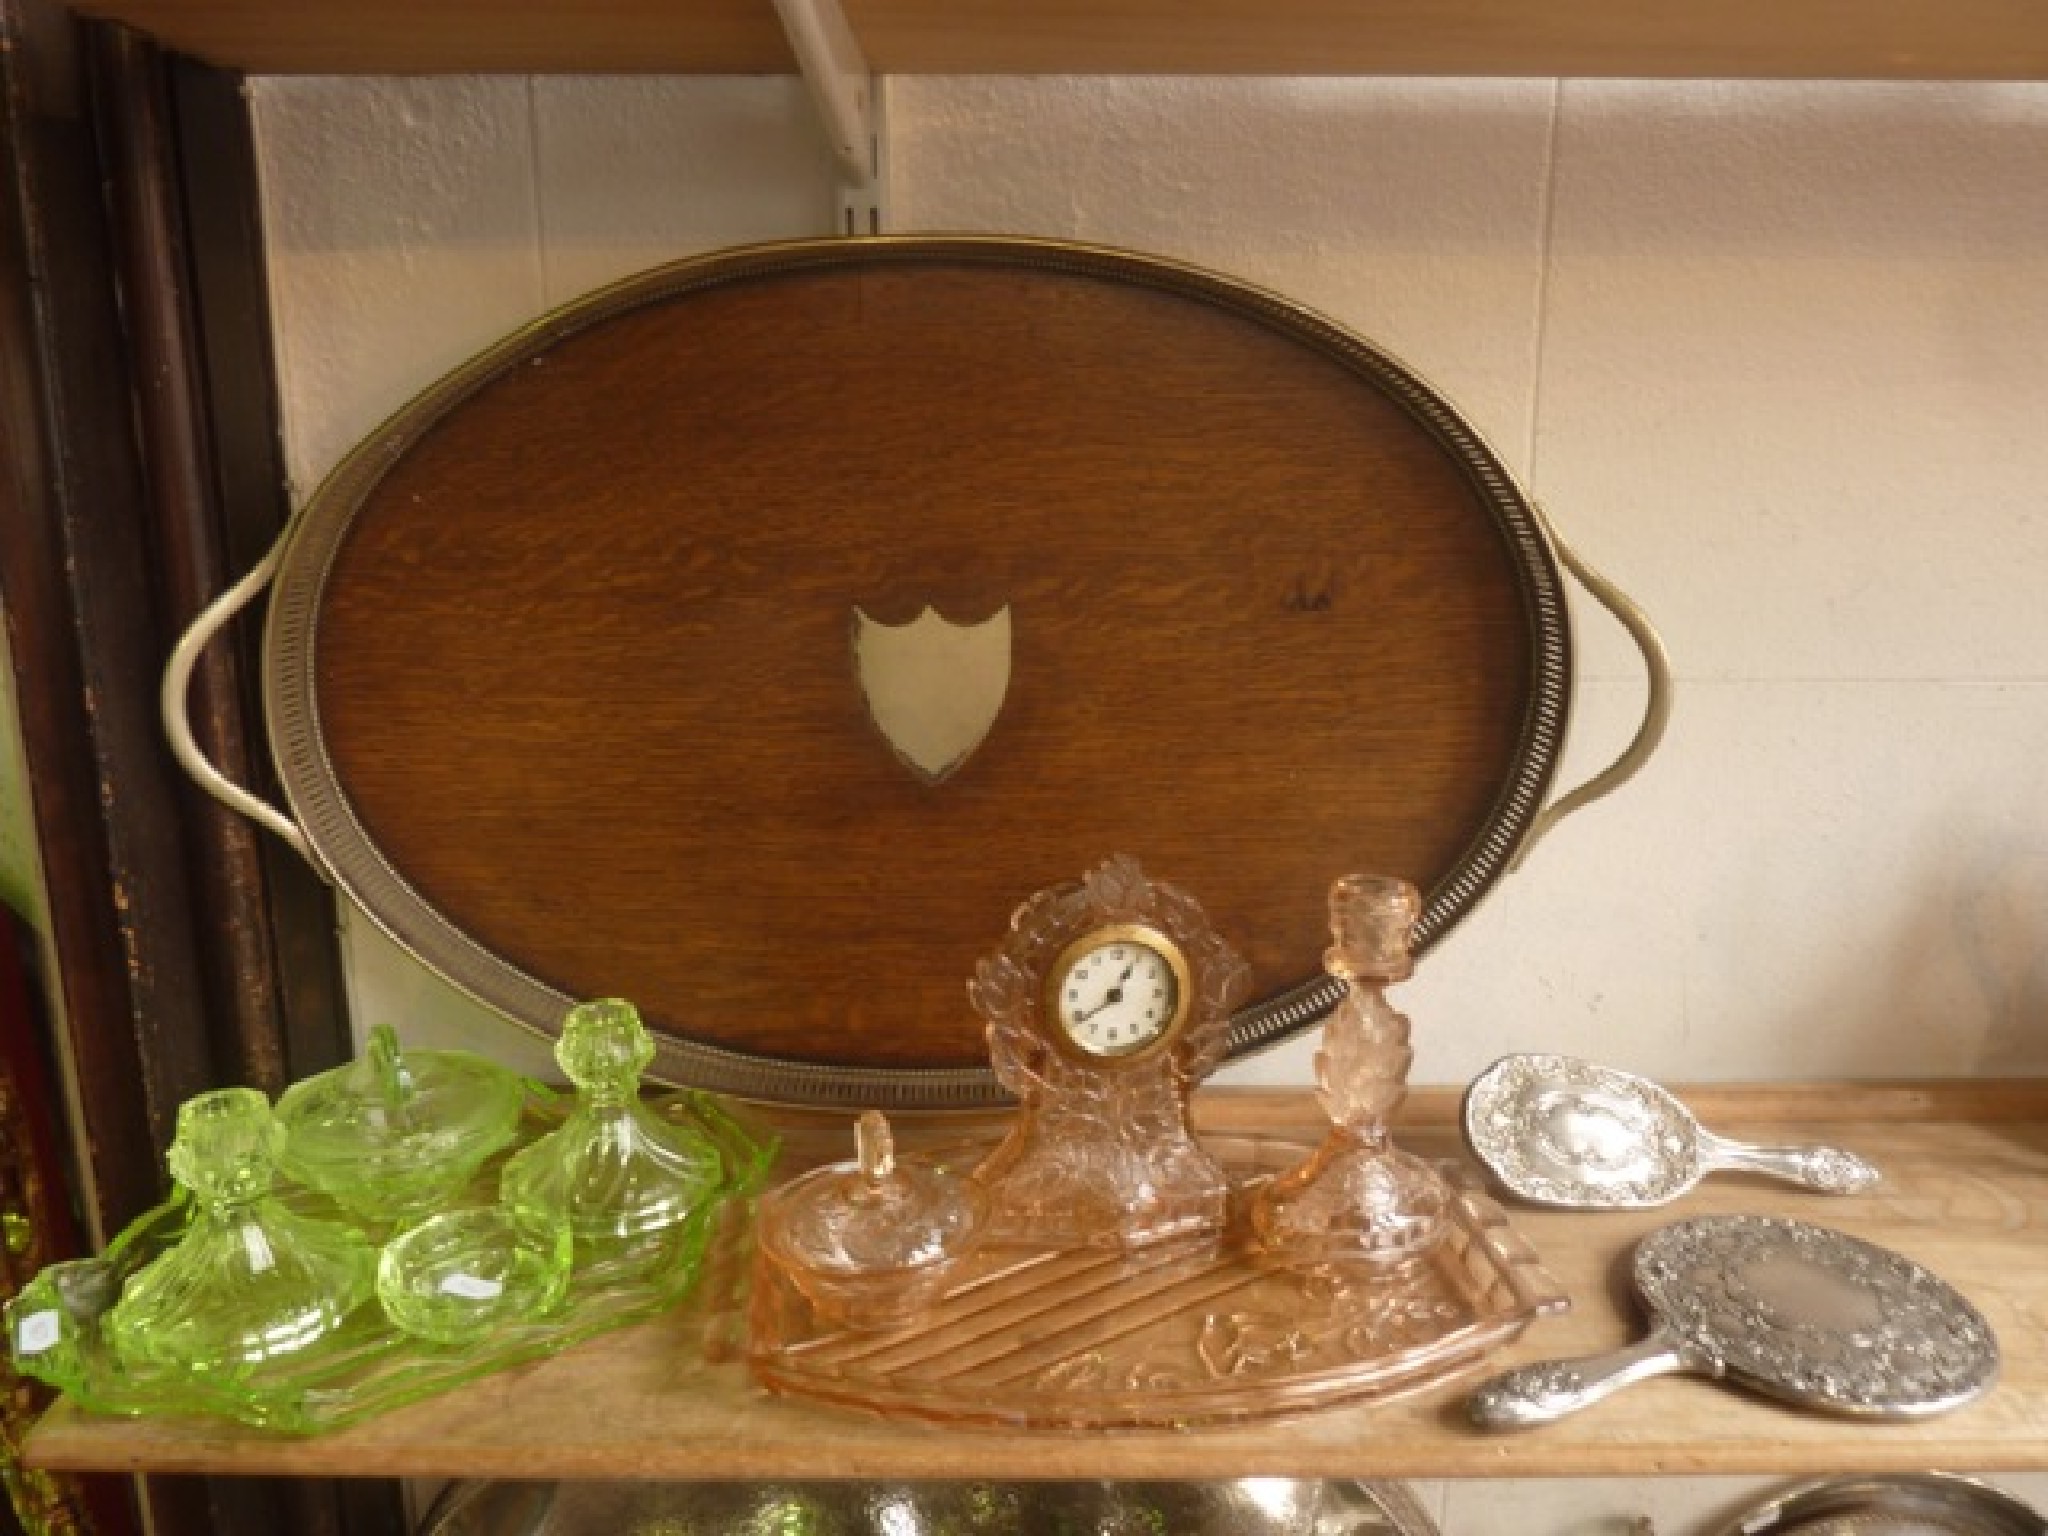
472	1287
37	1332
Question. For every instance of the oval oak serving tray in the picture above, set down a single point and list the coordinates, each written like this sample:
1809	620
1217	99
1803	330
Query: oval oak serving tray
567	674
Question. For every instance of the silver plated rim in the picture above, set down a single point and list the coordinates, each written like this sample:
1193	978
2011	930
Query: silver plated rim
1353	1507
353	861
1962	1505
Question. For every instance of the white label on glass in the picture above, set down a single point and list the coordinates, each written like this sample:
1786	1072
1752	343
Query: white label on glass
472	1287
261	1260
37	1332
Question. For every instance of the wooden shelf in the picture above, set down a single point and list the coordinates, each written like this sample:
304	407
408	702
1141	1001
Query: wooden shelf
1873	39
1966	1193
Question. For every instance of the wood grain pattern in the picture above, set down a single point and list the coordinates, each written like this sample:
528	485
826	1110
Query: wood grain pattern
585	660
1968	1199
75	532
136	124
405	37
1881	39
1739	39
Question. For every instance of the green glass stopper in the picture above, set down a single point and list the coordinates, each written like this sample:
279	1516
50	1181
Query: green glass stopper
603	1050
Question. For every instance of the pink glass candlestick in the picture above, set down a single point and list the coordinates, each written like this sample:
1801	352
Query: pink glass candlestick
1358	1195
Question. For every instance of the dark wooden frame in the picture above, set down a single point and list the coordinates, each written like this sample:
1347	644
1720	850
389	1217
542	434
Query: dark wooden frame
141	464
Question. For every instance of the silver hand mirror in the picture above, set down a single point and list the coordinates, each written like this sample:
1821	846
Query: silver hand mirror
1801	1312
1565	1132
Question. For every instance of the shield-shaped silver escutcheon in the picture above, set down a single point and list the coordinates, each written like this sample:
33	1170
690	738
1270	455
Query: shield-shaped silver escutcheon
933	687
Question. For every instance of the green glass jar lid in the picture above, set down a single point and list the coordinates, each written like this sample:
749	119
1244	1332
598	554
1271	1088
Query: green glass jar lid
395	1133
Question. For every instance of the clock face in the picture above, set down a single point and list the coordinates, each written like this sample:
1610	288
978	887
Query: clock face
1119	992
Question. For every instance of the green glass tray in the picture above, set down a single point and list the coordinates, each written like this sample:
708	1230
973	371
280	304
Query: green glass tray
370	1365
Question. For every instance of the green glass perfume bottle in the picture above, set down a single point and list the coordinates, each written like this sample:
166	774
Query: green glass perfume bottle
250	1281
627	1183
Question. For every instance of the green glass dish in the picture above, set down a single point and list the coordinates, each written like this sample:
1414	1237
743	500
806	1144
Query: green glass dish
394	1134
456	1277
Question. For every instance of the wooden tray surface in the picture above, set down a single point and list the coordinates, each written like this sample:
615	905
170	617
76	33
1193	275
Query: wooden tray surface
562	666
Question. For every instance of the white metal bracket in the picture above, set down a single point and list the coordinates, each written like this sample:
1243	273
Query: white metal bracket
848	99
864	206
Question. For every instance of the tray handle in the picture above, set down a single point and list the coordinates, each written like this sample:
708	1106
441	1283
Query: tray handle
176	693
184	658
1656	704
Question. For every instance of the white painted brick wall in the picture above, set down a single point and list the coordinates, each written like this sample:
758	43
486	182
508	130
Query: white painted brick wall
1773	355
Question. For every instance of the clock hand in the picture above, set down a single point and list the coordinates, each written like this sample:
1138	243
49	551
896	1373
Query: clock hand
1114	995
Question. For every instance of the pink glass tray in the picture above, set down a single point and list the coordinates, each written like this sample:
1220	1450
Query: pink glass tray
1203	1331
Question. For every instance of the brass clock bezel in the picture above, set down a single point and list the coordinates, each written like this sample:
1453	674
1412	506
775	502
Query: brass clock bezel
1055	1029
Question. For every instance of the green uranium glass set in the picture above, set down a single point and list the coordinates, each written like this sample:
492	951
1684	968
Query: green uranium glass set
392	1228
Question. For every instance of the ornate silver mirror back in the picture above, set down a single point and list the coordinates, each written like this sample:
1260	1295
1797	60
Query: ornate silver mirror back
1815	1315
1563	1132
1801	1312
